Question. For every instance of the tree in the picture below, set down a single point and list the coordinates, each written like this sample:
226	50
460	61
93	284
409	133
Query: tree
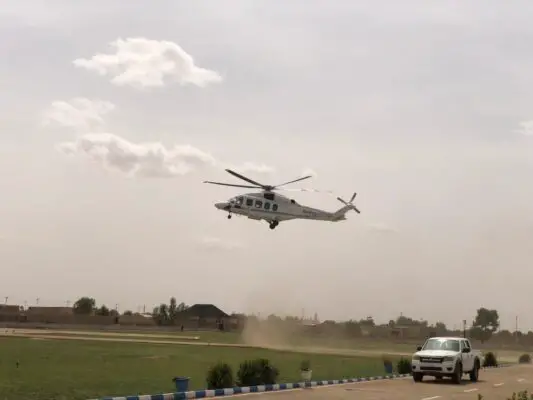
84	305
103	311
127	312
441	328
486	323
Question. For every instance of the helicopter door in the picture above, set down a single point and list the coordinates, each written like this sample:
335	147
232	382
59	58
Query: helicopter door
249	202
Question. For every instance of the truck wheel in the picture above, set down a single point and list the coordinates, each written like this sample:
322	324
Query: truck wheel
474	374
417	376
457	376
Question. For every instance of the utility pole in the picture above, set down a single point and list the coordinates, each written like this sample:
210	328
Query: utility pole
516	329
464	328
37	301
5	302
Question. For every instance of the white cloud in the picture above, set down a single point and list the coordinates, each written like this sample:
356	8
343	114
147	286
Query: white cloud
249	166
138	159
214	243
526	128
79	112
142	63
309	171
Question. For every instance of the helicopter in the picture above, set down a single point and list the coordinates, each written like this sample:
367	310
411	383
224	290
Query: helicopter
275	208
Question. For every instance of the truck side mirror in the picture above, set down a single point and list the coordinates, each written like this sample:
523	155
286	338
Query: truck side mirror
418	348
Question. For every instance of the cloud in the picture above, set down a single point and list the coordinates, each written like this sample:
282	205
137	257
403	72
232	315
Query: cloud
138	159
309	171
526	128
143	63
214	243
249	166
381	227
79	113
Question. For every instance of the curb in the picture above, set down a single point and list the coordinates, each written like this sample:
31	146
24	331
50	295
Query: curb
202	394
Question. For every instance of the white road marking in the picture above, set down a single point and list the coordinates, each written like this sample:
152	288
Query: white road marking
431	398
470	390
498	384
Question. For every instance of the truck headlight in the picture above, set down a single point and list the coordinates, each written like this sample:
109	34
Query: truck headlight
416	358
448	359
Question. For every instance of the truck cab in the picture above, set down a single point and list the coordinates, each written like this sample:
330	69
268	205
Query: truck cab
446	357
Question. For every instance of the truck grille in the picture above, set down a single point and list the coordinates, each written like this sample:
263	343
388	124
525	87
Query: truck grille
437	360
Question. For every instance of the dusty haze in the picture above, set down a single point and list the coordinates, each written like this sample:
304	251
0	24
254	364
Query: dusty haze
113	114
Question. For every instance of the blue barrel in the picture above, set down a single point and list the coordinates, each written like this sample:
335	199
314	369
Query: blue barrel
388	368
182	383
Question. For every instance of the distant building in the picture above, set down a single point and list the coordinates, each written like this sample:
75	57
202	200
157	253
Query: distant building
205	316
10	308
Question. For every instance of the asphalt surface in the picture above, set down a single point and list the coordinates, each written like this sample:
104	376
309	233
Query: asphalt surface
494	384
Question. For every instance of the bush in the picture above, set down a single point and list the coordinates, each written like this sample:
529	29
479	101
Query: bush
404	366
305	365
256	372
490	360
220	376
524	359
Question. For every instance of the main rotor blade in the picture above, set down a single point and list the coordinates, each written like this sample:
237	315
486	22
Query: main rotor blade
231	184
305	190
353	197
244	178
296	180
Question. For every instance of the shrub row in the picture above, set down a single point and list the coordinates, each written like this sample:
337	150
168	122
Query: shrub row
250	373
261	372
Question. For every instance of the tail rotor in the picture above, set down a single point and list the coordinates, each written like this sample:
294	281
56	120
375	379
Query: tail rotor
350	203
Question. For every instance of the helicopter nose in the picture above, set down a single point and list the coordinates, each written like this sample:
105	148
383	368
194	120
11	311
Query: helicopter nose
221	206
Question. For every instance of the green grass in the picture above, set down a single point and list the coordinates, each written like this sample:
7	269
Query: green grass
80	370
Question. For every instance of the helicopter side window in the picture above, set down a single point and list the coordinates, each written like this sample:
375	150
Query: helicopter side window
240	200
258	204
249	202
274	207
267	205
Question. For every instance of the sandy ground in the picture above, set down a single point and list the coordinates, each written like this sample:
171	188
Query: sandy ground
494	384
194	341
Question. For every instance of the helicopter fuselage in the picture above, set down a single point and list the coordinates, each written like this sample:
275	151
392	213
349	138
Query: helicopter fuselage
273	207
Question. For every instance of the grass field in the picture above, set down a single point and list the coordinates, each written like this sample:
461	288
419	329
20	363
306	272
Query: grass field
80	370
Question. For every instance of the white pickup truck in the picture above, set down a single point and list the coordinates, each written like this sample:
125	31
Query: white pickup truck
446	357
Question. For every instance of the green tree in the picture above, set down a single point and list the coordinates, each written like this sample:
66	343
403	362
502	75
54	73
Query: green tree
84	305
172	310
103	311
486	323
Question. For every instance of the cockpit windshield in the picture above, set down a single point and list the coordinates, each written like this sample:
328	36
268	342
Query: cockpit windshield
236	200
441	344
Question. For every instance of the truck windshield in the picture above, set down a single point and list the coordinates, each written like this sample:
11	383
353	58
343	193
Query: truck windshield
441	344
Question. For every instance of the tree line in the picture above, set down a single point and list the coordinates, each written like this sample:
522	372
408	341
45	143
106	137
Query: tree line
484	326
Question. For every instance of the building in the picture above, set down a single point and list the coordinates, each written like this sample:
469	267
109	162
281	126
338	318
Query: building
204	316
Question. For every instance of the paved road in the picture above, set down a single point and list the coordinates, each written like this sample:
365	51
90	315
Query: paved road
494	384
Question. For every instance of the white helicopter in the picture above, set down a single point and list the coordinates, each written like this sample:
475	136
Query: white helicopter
275	208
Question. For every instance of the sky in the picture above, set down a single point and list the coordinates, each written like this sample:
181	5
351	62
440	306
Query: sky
113	114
